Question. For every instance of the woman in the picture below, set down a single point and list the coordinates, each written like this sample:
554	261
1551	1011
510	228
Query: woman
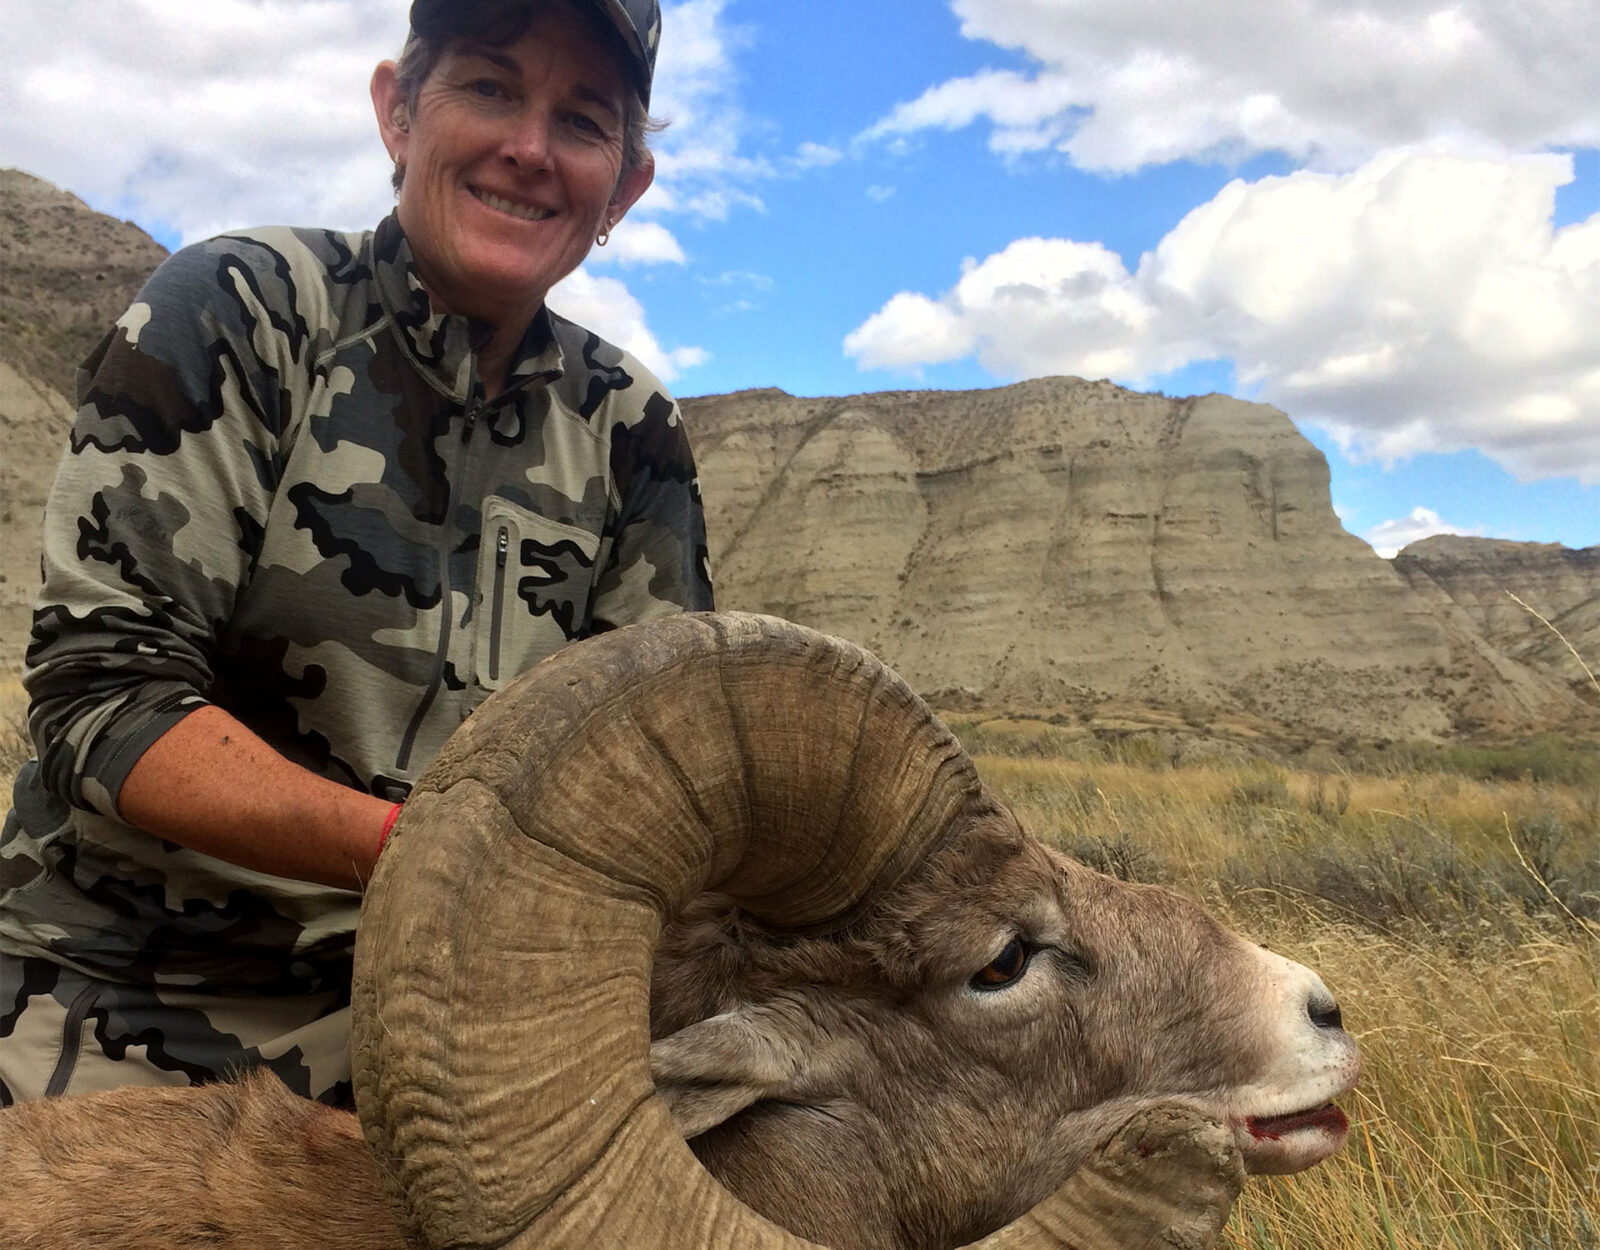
324	493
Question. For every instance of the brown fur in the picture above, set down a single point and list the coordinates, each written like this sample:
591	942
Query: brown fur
242	1166
858	1091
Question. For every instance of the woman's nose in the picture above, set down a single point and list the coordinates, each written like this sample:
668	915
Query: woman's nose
527	143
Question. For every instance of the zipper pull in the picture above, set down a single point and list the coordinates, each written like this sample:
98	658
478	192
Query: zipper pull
471	422
501	547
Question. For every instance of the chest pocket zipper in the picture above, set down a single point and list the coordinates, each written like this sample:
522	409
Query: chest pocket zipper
502	545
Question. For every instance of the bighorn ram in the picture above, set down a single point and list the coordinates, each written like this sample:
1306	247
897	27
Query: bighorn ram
899	1022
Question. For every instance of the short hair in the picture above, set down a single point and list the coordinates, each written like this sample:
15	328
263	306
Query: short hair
500	22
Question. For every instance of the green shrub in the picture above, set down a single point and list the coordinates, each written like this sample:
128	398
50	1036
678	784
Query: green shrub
1415	876
1262	787
1547	758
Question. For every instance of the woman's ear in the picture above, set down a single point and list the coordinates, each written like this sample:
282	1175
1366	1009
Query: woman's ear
630	187
394	115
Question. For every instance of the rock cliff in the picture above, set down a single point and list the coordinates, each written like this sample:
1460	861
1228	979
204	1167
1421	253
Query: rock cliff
1061	543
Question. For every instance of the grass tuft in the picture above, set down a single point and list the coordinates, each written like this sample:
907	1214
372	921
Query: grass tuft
15	748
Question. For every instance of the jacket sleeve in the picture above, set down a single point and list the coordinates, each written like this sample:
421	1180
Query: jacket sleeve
154	519
658	564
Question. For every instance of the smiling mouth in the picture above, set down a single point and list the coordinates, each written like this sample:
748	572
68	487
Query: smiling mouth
522	211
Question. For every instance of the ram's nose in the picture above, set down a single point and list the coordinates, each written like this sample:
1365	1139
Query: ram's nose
1324	1011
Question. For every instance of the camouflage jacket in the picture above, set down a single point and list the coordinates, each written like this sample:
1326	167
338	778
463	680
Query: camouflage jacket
286	494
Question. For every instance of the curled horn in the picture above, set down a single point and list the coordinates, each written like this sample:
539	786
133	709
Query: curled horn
501	1022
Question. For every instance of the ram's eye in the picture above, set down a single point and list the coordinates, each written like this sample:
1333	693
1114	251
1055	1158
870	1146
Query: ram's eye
1007	967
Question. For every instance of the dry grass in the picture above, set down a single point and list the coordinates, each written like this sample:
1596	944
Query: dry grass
14	747
1478	1120
1458	920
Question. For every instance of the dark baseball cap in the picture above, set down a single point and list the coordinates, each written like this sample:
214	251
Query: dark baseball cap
638	25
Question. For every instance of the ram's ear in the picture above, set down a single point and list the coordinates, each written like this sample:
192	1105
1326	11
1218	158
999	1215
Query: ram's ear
712	1070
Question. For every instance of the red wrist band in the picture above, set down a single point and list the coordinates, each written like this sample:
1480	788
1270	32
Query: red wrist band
388	826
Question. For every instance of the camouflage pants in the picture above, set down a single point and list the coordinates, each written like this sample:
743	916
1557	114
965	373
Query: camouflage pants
65	1033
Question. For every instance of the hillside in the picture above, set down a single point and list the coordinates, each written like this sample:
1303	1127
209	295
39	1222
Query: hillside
66	273
1068	544
1057	546
1479	576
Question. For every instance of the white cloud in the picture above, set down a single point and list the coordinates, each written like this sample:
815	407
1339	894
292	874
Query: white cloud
745	278
1011	100
1120	84
1040	306
202	115
636	242
199	116
1423	302
607	307
912	330
880	194
701	168
1389	537
717	203
739	289
815	156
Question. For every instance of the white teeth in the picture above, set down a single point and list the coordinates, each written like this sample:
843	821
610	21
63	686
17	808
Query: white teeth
516	210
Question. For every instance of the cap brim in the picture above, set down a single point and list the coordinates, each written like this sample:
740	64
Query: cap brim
432	19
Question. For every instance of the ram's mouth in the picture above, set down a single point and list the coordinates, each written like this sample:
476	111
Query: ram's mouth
1276	1144
1327	1119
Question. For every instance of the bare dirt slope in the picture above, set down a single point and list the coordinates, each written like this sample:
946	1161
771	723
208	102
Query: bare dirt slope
33	423
66	273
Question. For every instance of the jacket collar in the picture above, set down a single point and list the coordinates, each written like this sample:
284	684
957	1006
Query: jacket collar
444	345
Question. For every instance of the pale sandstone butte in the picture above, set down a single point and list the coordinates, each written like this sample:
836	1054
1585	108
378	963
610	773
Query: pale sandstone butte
1057	542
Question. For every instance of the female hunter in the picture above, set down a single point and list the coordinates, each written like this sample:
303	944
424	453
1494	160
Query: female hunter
326	491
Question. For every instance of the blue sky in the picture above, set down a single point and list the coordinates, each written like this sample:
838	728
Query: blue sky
1381	215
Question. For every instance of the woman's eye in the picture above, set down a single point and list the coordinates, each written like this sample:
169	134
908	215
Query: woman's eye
488	88
1006	967
583	122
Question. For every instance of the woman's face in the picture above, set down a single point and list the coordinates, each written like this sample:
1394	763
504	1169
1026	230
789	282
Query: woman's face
512	158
